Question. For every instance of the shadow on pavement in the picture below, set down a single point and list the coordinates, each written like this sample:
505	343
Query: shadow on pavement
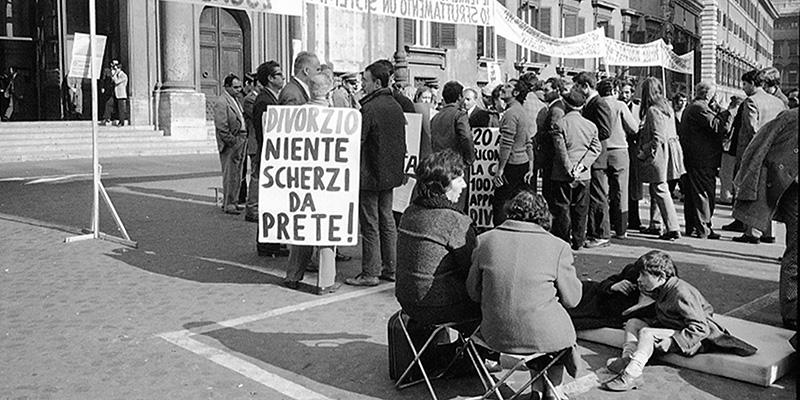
342	360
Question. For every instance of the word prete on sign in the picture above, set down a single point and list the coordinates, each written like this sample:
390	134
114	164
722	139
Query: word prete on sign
309	179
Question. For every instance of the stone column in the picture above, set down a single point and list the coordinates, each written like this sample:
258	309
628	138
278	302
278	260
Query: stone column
400	56
708	42
181	109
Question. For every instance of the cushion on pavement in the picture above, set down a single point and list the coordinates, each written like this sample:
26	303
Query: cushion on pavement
773	360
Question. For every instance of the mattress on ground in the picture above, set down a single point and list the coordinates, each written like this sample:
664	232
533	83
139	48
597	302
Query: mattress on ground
774	359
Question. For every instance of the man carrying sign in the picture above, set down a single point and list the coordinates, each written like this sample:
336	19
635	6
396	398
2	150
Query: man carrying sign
383	149
297	93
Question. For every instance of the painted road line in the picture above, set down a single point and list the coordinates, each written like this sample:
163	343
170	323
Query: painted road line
245	368
125	190
758	304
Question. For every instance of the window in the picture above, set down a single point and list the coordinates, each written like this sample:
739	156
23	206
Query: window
791	76
574	25
538	18
429	34
793	47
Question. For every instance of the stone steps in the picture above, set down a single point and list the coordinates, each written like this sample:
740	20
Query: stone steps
55	140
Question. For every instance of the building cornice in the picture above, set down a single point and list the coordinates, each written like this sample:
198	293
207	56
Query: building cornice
693	6
773	12
610	6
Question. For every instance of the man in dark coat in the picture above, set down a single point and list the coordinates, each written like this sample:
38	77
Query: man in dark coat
270	75
702	156
383	149
546	121
597	111
766	188
450	130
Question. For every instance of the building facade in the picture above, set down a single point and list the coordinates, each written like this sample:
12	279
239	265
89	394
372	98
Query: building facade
786	37
737	38
177	53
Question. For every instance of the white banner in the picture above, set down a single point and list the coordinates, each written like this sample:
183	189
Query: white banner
284	7
481	188
683	63
309	179
634	55
469	12
80	66
586	45
401	197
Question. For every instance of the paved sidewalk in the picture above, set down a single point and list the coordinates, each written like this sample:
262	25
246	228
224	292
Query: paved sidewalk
194	313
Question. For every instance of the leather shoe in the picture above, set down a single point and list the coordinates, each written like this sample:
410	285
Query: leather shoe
387	276
594	243
250	218
746	239
232	211
651	231
766	239
617	364
342	258
294	285
735	226
623	382
713	235
363	280
671	235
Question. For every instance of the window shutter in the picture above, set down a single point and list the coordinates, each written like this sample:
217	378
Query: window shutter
447	36
501	48
570	25
544	27
610	31
410	32
481	43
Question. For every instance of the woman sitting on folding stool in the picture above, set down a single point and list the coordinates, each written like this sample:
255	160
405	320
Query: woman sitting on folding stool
434	246
524	279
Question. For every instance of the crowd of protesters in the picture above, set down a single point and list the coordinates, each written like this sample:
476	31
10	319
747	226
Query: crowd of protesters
588	141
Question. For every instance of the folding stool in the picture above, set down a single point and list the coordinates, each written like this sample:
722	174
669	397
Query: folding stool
518	362
449	327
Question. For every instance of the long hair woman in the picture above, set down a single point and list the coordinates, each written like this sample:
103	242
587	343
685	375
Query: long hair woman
658	128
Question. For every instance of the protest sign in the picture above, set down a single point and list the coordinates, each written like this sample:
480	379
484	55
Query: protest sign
472	12
494	73
309	178
586	45
401	197
481	188
80	66
284	7
634	55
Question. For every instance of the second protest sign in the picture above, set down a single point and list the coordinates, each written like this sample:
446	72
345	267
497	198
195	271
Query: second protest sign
309	176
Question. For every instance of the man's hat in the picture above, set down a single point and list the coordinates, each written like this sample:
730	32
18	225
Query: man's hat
351	77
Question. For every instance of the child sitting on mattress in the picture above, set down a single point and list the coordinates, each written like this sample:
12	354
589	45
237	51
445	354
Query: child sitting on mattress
683	324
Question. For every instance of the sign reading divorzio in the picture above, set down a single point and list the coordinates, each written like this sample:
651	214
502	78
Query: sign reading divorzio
310	176
481	188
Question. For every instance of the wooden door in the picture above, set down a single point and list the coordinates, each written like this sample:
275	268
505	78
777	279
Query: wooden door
221	52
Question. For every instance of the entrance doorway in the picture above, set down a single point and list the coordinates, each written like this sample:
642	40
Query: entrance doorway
222	51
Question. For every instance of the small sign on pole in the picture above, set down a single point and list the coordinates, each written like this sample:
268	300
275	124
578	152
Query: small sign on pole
81	66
